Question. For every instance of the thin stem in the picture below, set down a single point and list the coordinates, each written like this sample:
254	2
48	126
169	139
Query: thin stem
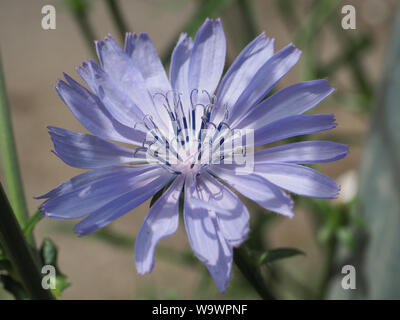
79	10
117	17
9	159
18	252
251	272
249	20
83	22
329	267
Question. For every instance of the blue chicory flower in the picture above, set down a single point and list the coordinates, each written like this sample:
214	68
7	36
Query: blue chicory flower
132	101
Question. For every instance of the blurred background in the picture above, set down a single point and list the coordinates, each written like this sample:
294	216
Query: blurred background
360	228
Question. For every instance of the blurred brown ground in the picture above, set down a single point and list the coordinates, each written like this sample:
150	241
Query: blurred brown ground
34	59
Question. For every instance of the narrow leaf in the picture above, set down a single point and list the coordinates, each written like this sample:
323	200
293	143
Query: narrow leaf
31	223
278	254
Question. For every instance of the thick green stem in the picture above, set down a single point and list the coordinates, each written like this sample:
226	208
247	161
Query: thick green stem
18	252
117	17
9	159
251	272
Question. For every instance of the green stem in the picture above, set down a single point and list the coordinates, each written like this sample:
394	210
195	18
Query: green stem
329	267
251	272
9	159
83	22
117	17
79	10
249	20
18	252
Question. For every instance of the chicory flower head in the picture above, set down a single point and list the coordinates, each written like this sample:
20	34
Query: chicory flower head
192	139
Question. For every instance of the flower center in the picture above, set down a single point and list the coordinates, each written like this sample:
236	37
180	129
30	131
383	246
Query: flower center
183	138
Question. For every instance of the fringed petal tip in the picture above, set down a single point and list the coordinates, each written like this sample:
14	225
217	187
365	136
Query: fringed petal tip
339	188
59	84
222	287
334	123
296	50
80	69
43	196
325	81
142	270
290	213
347	149
81	233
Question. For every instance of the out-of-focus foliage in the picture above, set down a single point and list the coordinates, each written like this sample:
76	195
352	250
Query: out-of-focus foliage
378	260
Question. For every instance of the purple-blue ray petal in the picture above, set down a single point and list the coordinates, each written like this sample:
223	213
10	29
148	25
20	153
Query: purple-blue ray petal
206	237
207	57
298	179
303	152
126	202
89	177
117	102
143	53
232	215
85	151
264	80
293	126
199	226
161	221
124	71
243	69
179	70
92	114
222	270
126	74
87	198
293	100
256	188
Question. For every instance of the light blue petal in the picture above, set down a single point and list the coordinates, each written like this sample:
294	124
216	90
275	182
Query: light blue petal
243	69
199	226
207	58
124	71
93	115
303	152
255	188
179	70
119	104
293	100
81	150
206	237
89	177
298	179
161	221
93	195
232	215
222	270
293	126
108	212
143	53
264	80
127	77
